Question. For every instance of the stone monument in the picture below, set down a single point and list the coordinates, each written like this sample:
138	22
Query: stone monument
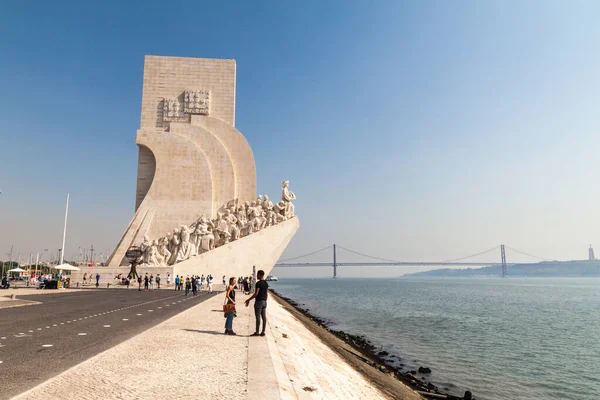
196	202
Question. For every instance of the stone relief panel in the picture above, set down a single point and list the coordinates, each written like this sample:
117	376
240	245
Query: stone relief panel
172	110
197	102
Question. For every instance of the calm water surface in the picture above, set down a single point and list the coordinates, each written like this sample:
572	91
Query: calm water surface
500	338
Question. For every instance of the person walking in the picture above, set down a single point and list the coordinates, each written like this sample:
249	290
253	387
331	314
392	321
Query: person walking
168	279
260	304
177	281
140	283
246	286
188	285
202	279
209	280
97	279
230	299
158	281
224	282
146	282
194	286
84	278
151	281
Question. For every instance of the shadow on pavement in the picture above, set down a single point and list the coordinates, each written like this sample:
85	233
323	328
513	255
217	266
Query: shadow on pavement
206	332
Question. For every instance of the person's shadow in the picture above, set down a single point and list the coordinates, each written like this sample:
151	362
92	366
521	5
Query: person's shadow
205	332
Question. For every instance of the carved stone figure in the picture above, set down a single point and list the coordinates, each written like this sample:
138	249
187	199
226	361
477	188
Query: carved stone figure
233	229
145	248
185	247
207	239
287	197
222	229
242	221
163	250
153	256
280	212
174	246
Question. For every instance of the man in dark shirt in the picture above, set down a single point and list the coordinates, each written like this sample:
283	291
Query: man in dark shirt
260	304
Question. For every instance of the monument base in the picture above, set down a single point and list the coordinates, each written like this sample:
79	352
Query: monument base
261	249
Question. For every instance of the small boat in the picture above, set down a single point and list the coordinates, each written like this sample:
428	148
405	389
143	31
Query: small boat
272	278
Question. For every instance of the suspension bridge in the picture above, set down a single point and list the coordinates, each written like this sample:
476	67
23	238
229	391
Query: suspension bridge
382	262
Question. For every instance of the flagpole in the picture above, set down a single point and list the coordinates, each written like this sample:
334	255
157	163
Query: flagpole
62	253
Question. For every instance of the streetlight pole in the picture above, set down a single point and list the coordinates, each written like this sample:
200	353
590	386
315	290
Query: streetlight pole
64	232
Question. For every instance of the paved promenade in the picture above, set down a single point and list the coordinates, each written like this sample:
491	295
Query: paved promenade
188	357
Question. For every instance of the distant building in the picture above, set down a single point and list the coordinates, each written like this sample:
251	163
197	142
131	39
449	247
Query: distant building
591	253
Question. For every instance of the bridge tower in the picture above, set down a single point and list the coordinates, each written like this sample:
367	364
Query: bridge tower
334	263
503	255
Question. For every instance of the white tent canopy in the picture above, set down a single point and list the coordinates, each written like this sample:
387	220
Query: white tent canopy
66	267
18	269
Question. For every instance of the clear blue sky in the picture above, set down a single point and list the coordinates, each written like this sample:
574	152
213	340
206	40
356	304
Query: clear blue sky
409	130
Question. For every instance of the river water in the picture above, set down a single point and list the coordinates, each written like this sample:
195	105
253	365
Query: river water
515	338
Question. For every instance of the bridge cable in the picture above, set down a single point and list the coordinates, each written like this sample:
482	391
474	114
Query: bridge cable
471	256
395	261
305	255
527	254
368	256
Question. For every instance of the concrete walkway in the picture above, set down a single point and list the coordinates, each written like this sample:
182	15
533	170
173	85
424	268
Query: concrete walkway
188	357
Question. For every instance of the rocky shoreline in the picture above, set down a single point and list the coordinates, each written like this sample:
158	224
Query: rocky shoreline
379	359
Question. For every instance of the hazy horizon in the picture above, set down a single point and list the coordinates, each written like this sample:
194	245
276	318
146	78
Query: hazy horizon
409	131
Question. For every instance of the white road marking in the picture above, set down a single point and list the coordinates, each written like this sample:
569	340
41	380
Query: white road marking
139	314
150	310
46	345
54	325
82	334
3	337
62	323
106	326
39	329
30	331
159	307
125	319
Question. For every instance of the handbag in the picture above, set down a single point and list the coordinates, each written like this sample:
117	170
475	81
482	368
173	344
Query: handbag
227	308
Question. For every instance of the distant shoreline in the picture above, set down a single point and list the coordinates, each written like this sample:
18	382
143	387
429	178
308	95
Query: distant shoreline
364	357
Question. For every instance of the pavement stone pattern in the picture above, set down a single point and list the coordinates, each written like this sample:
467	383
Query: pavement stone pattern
309	363
189	357
185	357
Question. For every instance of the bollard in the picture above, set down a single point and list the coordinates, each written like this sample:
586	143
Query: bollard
78	284
13	296
107	285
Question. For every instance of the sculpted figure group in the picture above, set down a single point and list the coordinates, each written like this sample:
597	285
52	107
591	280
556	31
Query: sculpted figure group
233	222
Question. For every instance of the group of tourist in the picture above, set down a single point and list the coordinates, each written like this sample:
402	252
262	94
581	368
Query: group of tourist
244	284
90	278
195	284
233	222
260	297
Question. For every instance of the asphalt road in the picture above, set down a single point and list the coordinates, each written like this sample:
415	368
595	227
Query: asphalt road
40	341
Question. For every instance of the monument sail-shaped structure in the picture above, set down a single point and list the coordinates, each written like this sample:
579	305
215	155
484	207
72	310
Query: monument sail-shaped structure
196	201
